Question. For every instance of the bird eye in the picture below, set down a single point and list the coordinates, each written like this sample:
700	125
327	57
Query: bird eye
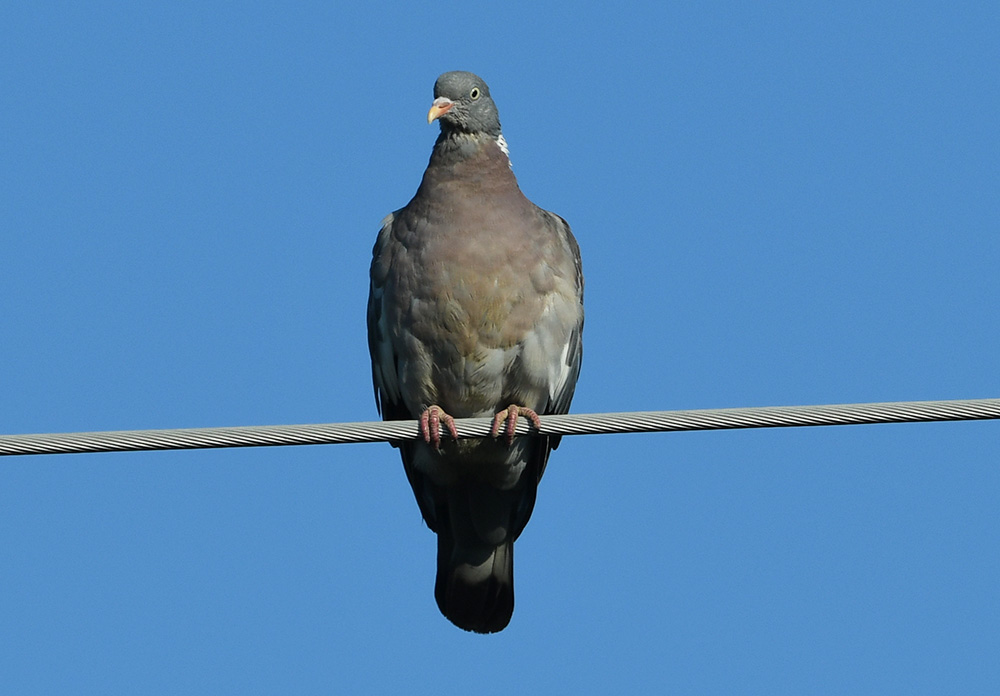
474	94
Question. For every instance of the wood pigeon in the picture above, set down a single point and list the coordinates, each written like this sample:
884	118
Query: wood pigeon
475	309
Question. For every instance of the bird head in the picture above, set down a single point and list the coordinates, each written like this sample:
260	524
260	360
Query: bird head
462	103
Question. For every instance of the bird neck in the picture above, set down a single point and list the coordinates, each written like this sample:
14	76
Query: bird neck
453	146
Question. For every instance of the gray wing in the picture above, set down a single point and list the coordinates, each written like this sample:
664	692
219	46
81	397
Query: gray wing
388	398
561	392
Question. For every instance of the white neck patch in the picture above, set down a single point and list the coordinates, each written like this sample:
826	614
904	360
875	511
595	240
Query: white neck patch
502	143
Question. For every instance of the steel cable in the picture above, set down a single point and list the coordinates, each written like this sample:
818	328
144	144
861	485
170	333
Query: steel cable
569	424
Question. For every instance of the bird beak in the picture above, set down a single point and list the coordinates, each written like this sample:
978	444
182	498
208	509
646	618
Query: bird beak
439	108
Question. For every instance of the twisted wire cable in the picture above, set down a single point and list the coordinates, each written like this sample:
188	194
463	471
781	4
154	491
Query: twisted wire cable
569	424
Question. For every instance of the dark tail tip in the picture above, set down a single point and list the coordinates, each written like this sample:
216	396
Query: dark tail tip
477	592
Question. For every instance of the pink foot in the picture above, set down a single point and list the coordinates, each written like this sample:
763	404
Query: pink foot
430	425
511	414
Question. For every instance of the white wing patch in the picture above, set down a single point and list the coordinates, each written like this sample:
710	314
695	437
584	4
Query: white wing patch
557	381
545	356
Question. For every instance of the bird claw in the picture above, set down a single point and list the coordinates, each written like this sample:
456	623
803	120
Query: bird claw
430	425
510	415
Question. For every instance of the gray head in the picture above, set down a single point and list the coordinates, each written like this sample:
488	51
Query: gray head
462	103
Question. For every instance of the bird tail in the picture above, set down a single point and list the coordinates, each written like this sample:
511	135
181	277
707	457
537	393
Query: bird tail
475	584
476	526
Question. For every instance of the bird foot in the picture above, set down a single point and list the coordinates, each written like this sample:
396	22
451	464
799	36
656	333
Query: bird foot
430	425
510	415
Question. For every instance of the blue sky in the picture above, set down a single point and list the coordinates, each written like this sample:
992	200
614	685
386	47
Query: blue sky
777	204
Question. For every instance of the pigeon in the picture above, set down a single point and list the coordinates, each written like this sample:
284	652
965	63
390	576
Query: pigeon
475	309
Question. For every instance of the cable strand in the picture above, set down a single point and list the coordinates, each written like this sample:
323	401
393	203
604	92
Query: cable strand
568	424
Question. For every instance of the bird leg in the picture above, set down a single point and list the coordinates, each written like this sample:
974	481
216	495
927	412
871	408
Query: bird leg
430	425
510	414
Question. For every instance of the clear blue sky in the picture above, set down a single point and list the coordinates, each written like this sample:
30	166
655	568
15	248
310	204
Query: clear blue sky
777	203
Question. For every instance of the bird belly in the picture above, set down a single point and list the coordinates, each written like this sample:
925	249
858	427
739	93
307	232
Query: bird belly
461	352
